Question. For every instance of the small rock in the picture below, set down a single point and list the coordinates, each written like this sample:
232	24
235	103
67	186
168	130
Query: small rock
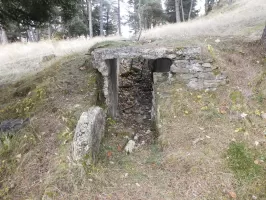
256	162
206	65
254	197
263	115
76	105
243	115
136	137
18	157
130	146
137	184
232	194
13	124
217	40
197	140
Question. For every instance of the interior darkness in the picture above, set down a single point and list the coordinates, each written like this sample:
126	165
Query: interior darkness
135	94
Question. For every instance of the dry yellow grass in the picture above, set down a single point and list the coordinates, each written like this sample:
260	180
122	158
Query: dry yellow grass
243	18
18	59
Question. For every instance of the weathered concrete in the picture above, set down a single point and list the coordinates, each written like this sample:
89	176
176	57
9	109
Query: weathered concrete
88	135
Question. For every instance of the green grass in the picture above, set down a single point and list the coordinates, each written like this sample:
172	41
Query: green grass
236	97
109	44
241	161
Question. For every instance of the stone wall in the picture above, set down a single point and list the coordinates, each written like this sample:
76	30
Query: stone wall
188	66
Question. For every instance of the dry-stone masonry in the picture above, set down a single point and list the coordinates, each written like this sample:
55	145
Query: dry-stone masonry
88	135
188	67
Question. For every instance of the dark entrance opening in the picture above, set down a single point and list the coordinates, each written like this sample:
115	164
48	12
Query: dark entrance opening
161	64
135	94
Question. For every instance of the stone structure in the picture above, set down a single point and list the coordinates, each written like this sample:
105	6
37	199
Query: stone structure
88	135
187	66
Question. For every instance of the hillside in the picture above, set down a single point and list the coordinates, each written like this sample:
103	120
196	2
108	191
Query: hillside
210	144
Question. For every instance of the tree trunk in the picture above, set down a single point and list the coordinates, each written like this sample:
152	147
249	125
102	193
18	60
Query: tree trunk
4	39
31	35
89	10
101	17
119	18
208	6
37	35
182	10
107	22
263	38
177	11
190	10
140	19
85	18
49	31
135	21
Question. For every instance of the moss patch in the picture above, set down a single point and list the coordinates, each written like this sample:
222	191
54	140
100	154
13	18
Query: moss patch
241	161
110	44
236	97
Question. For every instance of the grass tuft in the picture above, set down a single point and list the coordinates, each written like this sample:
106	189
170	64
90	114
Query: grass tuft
241	162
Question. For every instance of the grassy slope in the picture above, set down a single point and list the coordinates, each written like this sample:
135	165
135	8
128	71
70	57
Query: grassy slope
54	100
22	59
206	150
244	18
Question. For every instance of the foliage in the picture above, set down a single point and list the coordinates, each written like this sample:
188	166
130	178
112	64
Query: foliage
151	12
109	19
77	27
34	13
170	10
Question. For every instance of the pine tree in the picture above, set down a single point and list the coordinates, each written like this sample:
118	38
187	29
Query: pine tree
189	10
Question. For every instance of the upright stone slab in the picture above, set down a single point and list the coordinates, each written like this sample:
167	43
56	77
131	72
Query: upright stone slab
88	134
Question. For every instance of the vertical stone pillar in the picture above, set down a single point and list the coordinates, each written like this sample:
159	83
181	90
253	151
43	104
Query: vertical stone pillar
113	70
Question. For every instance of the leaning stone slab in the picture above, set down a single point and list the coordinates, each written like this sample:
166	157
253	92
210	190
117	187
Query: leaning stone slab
88	135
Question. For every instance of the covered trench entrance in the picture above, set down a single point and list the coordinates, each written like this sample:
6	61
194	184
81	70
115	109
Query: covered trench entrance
128	79
131	92
128	86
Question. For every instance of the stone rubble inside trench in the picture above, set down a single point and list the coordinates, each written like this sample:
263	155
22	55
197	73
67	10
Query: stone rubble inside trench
135	99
